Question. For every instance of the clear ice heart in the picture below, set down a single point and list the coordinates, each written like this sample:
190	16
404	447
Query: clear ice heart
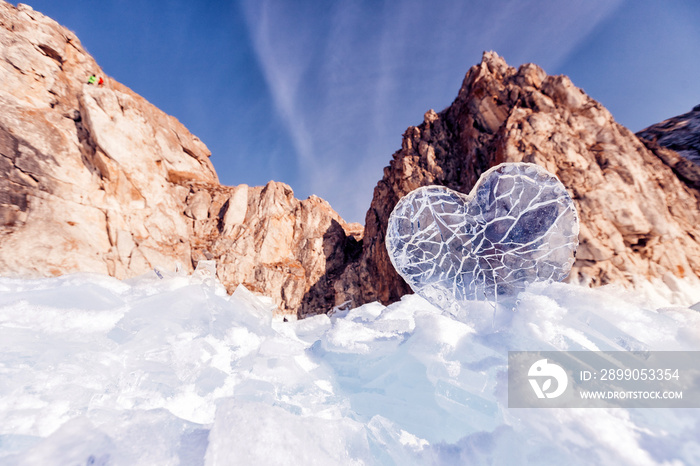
517	226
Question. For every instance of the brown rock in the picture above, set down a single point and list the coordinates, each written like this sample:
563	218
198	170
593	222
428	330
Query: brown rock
272	243
236	210
198	205
97	179
638	219
677	142
84	168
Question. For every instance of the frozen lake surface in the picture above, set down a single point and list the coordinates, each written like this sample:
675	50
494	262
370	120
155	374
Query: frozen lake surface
168	371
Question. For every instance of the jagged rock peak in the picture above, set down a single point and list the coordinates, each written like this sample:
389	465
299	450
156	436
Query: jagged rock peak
638	220
681	135
95	178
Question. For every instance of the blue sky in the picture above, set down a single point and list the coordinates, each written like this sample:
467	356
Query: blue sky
318	93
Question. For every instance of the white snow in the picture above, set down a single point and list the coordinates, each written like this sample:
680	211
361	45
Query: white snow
167	371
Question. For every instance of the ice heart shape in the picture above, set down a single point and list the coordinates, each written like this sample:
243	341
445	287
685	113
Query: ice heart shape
517	226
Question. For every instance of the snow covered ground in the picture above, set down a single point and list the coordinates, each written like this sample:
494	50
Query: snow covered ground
166	371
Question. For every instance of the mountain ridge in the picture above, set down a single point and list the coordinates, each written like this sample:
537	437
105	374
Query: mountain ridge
638	219
95	178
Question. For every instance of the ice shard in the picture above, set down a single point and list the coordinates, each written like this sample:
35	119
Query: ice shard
517	226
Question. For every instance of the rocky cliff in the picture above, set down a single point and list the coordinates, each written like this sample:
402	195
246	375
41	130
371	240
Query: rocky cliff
680	136
638	219
94	178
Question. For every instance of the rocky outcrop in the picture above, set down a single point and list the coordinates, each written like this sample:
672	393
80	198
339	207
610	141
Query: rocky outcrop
677	142
272	243
94	178
638	220
87	171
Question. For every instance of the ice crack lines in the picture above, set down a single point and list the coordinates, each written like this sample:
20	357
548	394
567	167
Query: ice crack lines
517	226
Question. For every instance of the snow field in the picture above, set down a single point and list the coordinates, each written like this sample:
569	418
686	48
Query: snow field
167	371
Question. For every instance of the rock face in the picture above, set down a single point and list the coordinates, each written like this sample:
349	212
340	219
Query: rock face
638	219
272	243
87	172
681	137
94	178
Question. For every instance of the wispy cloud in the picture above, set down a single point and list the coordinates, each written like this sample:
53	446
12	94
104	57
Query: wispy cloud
284	57
347	78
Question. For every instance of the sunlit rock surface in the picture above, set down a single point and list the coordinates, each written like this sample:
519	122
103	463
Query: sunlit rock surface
518	226
639	217
96	179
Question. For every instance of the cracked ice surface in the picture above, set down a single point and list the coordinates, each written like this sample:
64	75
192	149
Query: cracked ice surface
517	226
